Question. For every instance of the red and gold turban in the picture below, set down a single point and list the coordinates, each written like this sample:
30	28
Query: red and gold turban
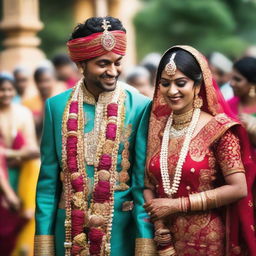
97	44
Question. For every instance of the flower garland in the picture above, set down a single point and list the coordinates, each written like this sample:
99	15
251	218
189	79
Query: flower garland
98	217
168	189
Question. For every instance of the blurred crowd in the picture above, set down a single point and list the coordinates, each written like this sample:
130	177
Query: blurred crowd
22	98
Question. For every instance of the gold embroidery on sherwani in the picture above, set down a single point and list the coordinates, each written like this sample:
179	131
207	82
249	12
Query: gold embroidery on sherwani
123	175
145	247
44	245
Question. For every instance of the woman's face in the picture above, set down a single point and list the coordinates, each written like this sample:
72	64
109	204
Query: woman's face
240	84
7	92
178	91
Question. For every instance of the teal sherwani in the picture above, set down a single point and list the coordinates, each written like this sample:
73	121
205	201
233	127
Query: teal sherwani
129	224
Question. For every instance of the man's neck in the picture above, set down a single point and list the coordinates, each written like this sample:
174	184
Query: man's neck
94	91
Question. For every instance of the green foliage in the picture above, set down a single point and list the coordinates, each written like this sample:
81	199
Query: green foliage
57	17
222	25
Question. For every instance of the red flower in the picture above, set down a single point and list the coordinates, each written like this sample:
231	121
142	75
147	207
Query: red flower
77	218
72	124
105	162
76	249
111	131
73	107
72	163
78	184
112	109
102	192
95	236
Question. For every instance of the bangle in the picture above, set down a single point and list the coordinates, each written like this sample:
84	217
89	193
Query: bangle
170	251
184	204
204	200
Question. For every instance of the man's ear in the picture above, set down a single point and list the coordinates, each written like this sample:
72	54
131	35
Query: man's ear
81	66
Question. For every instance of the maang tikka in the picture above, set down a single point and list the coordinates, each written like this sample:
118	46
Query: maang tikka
171	67
108	41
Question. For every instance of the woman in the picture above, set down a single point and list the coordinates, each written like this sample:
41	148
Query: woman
195	171
18	133
243	82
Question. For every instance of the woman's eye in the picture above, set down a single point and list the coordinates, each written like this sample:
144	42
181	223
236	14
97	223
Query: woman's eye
181	83
164	83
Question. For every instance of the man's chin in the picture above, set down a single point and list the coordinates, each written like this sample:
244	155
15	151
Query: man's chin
109	87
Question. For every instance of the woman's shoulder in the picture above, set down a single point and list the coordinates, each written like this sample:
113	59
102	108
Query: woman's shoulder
211	128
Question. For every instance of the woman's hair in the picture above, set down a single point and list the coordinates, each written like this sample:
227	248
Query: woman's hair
94	25
6	77
185	62
247	68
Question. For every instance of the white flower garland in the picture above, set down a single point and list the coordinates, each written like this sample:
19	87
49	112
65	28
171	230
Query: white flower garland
168	189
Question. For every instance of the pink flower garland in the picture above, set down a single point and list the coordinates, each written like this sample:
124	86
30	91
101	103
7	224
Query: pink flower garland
77	216
102	191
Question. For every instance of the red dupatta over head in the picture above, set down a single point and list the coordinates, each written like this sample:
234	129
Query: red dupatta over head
240	224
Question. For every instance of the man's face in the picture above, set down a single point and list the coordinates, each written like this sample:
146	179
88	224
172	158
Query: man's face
22	82
101	73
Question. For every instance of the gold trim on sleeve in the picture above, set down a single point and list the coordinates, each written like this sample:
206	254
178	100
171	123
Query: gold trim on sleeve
44	245
145	247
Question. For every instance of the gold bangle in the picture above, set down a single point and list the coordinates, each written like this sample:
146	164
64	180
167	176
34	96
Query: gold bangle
195	202
184	204
204	200
170	251
212	199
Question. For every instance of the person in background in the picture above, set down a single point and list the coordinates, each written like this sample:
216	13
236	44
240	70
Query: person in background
150	62
22	77
221	68
139	78
21	152
47	86
66	70
243	104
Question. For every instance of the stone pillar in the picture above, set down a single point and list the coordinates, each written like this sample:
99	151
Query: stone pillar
114	8
83	9
126	13
20	24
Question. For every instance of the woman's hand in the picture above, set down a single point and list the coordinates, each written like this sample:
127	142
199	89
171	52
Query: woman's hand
161	207
162	233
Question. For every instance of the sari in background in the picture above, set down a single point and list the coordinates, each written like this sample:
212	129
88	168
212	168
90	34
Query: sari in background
220	148
17	129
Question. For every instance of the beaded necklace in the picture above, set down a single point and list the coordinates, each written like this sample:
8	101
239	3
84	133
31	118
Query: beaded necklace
96	218
168	188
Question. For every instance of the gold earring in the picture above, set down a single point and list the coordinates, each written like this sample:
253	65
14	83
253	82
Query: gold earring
198	102
252	92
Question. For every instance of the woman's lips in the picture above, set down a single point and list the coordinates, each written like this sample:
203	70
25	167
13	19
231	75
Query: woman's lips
174	99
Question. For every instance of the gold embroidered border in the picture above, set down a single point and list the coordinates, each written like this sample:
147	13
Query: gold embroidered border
44	245
145	247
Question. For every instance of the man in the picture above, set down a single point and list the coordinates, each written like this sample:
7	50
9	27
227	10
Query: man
22	78
89	193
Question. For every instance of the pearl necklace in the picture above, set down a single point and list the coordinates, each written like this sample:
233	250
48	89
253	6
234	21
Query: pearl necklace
168	189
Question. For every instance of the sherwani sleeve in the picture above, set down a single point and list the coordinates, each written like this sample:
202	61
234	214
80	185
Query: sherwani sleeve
144	230
47	195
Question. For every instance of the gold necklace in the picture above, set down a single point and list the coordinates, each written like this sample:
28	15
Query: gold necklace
183	120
